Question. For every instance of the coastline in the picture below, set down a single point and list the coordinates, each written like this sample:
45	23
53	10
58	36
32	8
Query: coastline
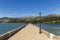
55	37
30	30
12	32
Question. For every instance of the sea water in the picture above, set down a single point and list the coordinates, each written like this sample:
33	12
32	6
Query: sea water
8	27
52	28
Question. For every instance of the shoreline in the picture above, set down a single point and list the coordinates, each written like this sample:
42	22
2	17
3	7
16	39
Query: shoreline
12	32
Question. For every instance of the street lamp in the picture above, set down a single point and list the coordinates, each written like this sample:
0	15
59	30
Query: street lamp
40	21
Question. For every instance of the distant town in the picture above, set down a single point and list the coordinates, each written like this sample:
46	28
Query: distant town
52	18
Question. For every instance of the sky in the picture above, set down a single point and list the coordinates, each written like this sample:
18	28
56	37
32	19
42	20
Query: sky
21	8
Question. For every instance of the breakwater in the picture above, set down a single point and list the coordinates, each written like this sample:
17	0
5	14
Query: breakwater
49	35
10	33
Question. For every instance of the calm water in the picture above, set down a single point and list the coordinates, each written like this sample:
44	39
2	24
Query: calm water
52	28
7	27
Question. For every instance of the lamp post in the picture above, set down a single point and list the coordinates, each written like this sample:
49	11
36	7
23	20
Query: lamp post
40	22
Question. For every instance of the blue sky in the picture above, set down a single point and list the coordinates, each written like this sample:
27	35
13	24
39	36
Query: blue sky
19	8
